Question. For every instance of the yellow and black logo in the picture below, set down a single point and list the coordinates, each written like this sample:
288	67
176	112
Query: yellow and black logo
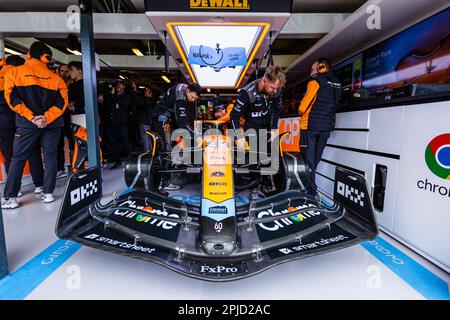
220	4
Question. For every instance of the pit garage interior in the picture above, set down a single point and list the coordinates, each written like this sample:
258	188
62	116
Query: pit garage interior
410	257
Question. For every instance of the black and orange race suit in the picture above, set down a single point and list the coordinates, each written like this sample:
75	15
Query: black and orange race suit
318	107
31	90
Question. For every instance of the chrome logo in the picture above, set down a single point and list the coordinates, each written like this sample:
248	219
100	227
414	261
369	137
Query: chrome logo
437	156
298	217
142	218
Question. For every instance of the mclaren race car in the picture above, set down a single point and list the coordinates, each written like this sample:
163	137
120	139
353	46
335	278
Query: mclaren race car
216	240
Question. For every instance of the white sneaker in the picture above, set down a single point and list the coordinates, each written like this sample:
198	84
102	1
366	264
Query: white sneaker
61	174
11	203
47	197
171	187
38	190
19	194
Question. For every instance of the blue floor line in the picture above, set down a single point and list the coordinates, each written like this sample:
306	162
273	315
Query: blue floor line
417	276
19	284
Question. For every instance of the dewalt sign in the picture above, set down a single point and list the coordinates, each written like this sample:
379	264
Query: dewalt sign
219	4
242	6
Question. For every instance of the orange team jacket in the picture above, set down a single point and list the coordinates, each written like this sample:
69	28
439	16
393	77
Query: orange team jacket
307	103
31	90
7	116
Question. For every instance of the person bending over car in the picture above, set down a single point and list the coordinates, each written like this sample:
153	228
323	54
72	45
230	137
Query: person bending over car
172	107
260	104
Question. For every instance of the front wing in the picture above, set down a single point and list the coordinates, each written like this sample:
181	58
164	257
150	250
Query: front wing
152	227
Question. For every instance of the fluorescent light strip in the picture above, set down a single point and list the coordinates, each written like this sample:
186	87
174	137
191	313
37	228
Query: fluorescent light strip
10	51
137	52
75	52
165	79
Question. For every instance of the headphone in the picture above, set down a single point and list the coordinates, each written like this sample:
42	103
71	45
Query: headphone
46	58
322	67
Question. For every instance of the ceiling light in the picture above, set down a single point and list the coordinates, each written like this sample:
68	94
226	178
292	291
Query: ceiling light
75	52
247	37
10	51
137	52
141	87
121	77
165	79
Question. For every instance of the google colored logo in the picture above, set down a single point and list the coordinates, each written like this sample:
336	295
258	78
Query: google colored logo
437	156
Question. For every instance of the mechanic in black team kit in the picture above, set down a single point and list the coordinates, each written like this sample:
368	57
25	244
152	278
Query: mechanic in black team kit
260	104
172	107
260	101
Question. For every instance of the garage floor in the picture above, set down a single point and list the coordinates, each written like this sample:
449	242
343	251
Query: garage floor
44	267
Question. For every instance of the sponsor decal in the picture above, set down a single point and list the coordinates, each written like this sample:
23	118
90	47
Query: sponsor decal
426	185
351	193
319	240
83	192
218	210
282	223
218	174
227	269
120	244
218	184
314	245
154	221
285	250
437	156
289	225
219	4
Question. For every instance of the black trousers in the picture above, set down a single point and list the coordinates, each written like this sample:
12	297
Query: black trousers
312	145
119	141
66	132
6	145
35	161
26	146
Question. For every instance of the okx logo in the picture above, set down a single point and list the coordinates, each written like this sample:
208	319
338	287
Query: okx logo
437	156
351	193
84	192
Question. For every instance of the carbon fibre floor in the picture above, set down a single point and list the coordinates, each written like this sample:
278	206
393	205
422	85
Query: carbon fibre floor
43	267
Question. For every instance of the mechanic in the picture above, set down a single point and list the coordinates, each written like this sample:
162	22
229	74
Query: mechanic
64	72
260	104
172	106
260	101
76	88
39	97
118	107
318	112
144	108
